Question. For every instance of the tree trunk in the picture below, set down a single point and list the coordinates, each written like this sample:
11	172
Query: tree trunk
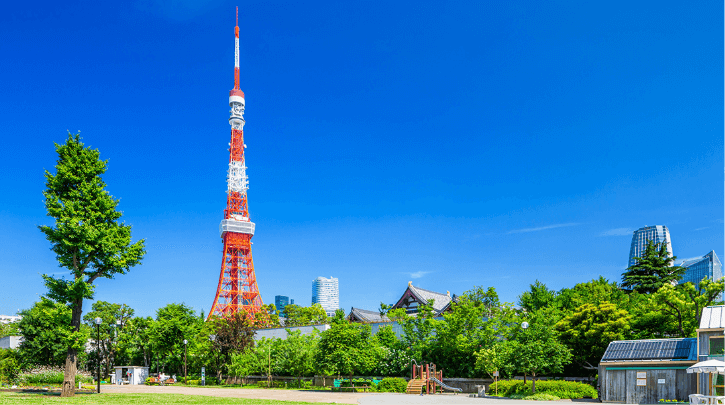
71	359
533	383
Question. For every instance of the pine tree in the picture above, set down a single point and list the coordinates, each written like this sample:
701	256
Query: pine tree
87	237
653	270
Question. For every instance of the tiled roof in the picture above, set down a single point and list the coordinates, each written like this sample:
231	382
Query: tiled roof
682	349
713	317
440	301
366	316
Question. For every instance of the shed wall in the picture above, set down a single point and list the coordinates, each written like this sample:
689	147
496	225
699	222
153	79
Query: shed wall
669	383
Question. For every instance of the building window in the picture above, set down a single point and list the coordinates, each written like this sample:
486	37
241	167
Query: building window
717	345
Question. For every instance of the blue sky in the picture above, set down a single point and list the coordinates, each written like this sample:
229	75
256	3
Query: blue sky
453	143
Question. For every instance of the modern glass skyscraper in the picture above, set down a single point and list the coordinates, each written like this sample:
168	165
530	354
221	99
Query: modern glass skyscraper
281	301
705	266
658	234
325	292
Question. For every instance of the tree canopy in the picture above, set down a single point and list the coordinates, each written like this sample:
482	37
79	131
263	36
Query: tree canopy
653	270
87	237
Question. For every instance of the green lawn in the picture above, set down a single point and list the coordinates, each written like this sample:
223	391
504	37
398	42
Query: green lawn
108	399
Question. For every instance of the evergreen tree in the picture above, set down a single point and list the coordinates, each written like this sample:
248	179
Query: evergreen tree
653	270
87	237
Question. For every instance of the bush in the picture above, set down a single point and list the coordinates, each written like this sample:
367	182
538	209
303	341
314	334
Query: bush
561	389
392	385
9	366
52	376
541	397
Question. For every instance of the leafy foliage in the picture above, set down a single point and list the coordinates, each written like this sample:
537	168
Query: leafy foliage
304	316
392	385
653	270
347	348
47	333
86	238
588	331
561	389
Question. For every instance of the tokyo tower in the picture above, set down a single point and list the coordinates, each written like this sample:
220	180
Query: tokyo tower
237	290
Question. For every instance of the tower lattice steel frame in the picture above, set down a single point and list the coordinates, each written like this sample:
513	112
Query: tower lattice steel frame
237	290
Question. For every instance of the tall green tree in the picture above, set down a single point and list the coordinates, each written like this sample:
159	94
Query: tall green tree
87	237
653	270
134	341
303	316
539	296
536	350
590	328
174	324
47	332
113	318
684	303
296	354
347	348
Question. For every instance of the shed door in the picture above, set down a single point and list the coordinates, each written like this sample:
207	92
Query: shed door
636	393
666	390
616	386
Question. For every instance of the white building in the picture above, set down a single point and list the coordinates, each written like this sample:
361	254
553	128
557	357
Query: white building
325	292
9	318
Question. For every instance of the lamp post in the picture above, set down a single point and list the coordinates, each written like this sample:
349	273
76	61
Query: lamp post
185	342
212	339
98	349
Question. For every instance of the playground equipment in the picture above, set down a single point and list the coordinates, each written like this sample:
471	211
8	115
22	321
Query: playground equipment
426	376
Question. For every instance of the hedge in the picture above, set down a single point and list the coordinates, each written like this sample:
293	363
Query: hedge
561	389
392	385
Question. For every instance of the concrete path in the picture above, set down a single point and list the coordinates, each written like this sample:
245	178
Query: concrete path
281	395
324	396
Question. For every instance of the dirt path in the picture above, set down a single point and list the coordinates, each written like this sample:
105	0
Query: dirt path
282	395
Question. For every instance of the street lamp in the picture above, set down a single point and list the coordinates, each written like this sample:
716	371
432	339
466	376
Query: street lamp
525	325
212	339
98	348
185	342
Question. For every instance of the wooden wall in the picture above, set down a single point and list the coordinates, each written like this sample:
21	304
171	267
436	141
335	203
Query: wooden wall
620	385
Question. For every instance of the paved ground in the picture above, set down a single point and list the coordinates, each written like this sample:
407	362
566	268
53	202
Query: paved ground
322	396
283	395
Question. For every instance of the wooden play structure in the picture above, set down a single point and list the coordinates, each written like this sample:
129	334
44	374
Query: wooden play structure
426	376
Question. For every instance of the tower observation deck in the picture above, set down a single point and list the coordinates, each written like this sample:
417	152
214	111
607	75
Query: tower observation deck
237	290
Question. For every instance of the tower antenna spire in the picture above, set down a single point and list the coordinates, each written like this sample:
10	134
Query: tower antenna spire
237	290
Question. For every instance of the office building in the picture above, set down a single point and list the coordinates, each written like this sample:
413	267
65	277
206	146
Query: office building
325	292
705	266
658	234
281	301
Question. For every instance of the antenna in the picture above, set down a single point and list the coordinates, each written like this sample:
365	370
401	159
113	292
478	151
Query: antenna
237	24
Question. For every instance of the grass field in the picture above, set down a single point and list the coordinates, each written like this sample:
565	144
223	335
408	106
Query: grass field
113	399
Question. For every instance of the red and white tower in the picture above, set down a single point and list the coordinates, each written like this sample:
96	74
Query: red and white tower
237	290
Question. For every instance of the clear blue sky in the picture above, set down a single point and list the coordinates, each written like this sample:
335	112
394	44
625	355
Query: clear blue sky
445	142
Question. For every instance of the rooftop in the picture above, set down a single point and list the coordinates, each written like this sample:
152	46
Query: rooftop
682	349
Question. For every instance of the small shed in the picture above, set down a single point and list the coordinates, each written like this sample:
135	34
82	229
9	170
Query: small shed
645	371
710	346
133	375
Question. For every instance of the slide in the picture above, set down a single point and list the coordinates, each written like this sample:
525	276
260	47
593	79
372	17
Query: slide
448	387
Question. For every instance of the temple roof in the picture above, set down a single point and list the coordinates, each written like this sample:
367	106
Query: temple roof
440	301
365	316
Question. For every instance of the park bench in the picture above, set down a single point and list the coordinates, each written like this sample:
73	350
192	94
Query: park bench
338	385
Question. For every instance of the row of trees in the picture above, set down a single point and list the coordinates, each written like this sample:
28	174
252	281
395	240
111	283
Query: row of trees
91	241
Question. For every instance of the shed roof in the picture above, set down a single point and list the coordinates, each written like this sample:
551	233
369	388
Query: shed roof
713	317
682	349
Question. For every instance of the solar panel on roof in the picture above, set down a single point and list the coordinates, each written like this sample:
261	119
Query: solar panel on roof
649	350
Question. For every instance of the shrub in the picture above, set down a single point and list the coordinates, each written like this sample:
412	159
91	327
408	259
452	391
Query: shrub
9	370
392	385
561	389
47	375
542	397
